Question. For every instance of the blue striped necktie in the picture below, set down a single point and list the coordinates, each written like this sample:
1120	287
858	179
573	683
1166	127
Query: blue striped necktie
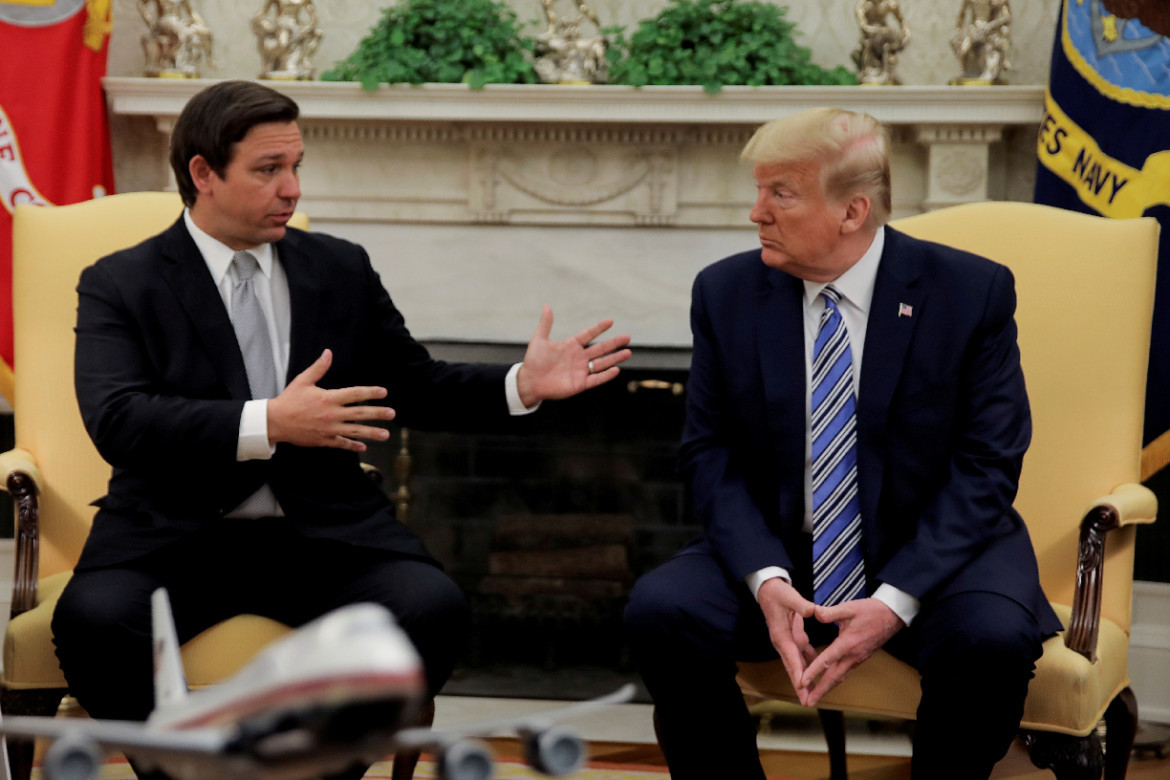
838	566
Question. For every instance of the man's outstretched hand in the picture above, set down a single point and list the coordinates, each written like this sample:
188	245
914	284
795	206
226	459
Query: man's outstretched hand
311	416
559	369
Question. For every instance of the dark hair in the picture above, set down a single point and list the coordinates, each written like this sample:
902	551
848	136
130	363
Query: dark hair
216	119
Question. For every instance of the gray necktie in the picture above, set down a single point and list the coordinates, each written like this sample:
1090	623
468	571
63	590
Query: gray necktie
252	329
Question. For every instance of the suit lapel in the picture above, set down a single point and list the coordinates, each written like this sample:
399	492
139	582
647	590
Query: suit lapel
780	340
185	271
304	293
896	299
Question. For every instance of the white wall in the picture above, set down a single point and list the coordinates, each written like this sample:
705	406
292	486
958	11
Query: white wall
827	27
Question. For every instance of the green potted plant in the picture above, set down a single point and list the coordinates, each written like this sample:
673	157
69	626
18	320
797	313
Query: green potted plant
476	42
716	43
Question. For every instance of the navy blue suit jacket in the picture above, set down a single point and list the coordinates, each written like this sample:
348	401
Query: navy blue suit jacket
943	424
161	384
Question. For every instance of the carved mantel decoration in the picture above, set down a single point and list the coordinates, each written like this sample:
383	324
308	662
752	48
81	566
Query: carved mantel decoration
598	155
575	176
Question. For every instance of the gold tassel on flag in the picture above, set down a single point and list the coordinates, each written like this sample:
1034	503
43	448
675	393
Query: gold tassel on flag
97	23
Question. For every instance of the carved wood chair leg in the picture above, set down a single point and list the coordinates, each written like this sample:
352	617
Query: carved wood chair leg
405	762
1069	758
1121	721
833	724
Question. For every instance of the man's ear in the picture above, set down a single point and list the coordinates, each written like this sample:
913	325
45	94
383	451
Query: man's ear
856	214
201	173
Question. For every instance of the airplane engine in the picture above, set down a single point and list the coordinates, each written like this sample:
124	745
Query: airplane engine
467	759
554	751
73	757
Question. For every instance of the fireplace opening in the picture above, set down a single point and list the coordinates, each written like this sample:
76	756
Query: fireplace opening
547	525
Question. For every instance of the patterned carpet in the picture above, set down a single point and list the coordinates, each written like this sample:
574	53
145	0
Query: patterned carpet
510	769
506	769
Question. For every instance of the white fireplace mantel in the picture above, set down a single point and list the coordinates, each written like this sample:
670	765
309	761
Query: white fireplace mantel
592	155
906	105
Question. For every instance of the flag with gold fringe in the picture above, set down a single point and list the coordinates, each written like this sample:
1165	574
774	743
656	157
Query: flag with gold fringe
54	137
1104	148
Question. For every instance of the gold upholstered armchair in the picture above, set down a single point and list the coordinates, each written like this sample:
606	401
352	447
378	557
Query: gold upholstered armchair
1085	298
54	472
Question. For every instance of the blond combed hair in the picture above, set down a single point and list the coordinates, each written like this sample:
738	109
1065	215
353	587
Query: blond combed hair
853	149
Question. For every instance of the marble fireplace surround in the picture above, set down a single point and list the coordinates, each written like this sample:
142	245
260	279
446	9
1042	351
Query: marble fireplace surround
478	206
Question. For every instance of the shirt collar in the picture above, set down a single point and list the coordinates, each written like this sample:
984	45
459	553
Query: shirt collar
856	284
218	255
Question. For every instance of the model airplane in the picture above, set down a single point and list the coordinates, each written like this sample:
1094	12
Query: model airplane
338	692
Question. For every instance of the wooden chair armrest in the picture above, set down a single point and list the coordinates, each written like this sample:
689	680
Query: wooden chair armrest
1128	504
19	461
22	479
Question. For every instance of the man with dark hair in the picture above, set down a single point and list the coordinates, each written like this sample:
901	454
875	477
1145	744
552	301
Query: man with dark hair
856	423
230	370
220	117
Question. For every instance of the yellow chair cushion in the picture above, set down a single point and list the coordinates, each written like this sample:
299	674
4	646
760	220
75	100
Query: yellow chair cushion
35	666
882	685
213	655
1068	695
220	651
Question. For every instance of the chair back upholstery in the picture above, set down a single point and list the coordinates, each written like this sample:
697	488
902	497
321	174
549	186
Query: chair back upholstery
51	246
1085	288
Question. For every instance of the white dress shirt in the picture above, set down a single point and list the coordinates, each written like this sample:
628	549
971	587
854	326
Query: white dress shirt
856	287
271	287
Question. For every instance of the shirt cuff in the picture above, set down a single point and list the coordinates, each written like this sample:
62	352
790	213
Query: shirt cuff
903	604
515	406
253	442
758	578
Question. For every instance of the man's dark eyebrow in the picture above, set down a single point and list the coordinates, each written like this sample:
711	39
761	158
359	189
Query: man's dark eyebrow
277	157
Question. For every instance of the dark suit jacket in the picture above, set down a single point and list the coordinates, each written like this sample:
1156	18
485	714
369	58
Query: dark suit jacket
943	423
161	385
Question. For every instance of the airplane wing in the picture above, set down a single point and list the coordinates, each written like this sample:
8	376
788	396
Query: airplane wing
549	749
421	738
80	744
129	736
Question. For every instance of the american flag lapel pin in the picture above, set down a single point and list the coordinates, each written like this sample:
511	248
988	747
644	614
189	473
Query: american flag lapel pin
905	310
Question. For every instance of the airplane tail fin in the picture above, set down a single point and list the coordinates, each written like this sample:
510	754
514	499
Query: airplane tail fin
170	683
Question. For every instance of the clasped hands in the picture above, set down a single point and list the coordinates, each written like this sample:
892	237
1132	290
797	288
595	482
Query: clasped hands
311	416
864	626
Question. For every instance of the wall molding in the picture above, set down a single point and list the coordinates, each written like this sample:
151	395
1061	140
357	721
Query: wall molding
1149	650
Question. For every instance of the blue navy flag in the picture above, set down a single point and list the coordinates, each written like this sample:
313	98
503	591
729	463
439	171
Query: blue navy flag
1104	148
